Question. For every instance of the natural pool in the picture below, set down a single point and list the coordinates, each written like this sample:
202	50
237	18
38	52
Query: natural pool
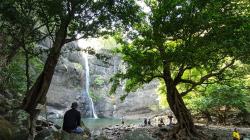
105	122
92	123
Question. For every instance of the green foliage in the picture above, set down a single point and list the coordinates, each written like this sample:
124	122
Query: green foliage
161	91
19	27
24	23
13	76
99	81
220	101
218	96
229	96
155	108
77	66
193	41
95	97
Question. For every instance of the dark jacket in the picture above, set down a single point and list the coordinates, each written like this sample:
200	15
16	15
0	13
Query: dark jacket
71	120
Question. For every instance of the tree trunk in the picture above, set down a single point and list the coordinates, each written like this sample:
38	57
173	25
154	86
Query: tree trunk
37	94
208	116
186	126
28	82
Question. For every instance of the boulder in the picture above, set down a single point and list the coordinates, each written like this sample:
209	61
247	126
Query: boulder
137	135
19	118
6	129
71	136
9	131
247	118
43	134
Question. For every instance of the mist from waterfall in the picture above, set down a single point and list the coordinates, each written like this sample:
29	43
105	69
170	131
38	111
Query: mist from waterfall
87	85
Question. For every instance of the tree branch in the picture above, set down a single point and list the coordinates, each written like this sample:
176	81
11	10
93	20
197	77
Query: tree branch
151	78
180	73
204	78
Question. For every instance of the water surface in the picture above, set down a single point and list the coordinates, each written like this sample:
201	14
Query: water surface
106	122
92	123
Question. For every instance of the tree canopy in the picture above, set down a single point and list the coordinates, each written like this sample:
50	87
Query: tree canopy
179	36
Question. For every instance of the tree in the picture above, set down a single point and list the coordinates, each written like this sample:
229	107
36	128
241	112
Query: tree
62	21
20	30
177	36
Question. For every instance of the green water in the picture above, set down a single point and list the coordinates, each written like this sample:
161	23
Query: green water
103	122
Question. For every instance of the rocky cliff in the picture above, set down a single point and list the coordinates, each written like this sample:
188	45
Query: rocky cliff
69	80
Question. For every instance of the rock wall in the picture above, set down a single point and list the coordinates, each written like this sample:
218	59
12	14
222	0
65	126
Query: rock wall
69	82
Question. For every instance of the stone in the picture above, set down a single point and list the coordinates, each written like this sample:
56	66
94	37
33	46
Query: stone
100	137
9	131
57	126
43	134
54	128
38	122
39	128
137	135
45	124
20	117
6	129
71	136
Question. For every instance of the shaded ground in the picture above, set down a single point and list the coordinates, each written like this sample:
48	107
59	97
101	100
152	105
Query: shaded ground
135	132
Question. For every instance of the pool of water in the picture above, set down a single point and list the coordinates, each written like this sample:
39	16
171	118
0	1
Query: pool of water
103	122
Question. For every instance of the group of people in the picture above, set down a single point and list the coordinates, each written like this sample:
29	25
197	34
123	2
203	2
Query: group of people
147	122
72	122
160	123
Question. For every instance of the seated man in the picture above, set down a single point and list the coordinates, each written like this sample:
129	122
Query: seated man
72	119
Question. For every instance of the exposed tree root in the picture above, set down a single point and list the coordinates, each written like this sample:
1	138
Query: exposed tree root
175	133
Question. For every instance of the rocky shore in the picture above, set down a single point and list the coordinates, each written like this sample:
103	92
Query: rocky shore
138	132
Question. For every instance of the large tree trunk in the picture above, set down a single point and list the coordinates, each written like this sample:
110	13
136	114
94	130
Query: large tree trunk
37	94
186	128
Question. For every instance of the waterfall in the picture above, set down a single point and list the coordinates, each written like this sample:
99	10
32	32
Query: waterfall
87	85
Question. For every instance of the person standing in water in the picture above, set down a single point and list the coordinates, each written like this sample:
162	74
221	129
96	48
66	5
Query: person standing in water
122	121
145	122
149	122
72	120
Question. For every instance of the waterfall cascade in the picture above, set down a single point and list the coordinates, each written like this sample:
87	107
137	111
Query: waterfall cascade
87	86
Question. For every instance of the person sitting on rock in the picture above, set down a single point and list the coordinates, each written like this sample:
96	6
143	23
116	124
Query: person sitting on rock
236	134
161	122
72	119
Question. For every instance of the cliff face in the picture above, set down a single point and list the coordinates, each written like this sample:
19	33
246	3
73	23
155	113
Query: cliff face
69	80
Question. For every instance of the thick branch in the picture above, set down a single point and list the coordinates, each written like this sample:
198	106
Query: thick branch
152	77
180	73
204	78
